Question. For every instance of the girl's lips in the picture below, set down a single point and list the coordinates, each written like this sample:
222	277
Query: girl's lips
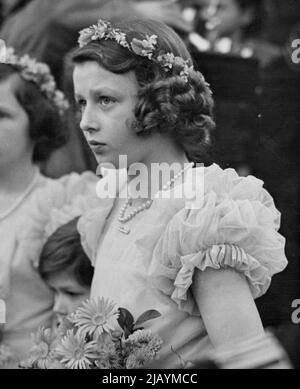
96	146
95	143
98	149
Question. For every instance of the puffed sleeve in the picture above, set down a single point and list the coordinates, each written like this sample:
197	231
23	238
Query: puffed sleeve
55	203
235	227
90	227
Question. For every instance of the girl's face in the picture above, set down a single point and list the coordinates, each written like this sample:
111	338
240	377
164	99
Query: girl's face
15	144
225	16
68	294
107	102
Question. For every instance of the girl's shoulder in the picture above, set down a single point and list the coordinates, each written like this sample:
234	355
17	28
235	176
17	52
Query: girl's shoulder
227	221
227	181
69	185
214	185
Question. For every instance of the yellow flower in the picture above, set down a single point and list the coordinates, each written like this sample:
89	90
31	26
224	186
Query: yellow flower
95	317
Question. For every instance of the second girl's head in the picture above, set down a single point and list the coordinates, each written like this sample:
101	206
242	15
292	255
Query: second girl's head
30	125
129	102
66	269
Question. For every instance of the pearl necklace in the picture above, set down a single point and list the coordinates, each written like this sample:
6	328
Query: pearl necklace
124	219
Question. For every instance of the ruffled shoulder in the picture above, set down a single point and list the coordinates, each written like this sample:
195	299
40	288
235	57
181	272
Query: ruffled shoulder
54	203
236	226
75	184
91	224
90	227
78	207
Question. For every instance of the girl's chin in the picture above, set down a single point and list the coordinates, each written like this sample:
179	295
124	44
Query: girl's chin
101	160
107	164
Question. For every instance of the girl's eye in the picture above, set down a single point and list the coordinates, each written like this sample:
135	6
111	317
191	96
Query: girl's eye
3	115
105	100
81	104
65	292
72	294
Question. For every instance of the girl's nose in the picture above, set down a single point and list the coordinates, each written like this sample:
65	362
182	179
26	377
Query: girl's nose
90	120
60	304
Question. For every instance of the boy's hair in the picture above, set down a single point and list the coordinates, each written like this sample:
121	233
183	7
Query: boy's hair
166	103
63	252
46	129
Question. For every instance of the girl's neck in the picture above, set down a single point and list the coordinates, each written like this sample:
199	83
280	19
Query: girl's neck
14	179
164	152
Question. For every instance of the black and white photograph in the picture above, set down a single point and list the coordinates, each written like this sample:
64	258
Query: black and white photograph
149	187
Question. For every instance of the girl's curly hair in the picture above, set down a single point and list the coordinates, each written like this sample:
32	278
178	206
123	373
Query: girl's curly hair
166	103
46	128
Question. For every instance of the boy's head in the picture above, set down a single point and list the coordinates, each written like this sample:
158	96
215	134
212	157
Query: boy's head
66	269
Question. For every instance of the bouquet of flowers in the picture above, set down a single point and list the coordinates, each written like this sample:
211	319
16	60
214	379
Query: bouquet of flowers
88	339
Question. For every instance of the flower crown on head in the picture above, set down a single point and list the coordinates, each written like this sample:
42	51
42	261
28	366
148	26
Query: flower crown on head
37	72
146	47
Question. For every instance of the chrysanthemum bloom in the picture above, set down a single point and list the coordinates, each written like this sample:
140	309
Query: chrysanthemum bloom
95	317
75	352
139	358
141	348
145	338
108	353
40	355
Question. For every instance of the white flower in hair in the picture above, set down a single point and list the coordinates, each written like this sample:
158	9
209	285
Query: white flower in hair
37	72
145	47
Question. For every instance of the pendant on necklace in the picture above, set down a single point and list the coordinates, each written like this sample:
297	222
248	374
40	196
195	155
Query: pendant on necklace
124	230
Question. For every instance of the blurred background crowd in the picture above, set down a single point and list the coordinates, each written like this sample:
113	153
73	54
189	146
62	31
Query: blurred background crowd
243	47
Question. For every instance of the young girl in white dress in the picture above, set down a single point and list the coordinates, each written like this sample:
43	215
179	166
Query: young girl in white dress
199	259
31	112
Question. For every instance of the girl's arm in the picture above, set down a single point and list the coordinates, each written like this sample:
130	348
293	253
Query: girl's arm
226	306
